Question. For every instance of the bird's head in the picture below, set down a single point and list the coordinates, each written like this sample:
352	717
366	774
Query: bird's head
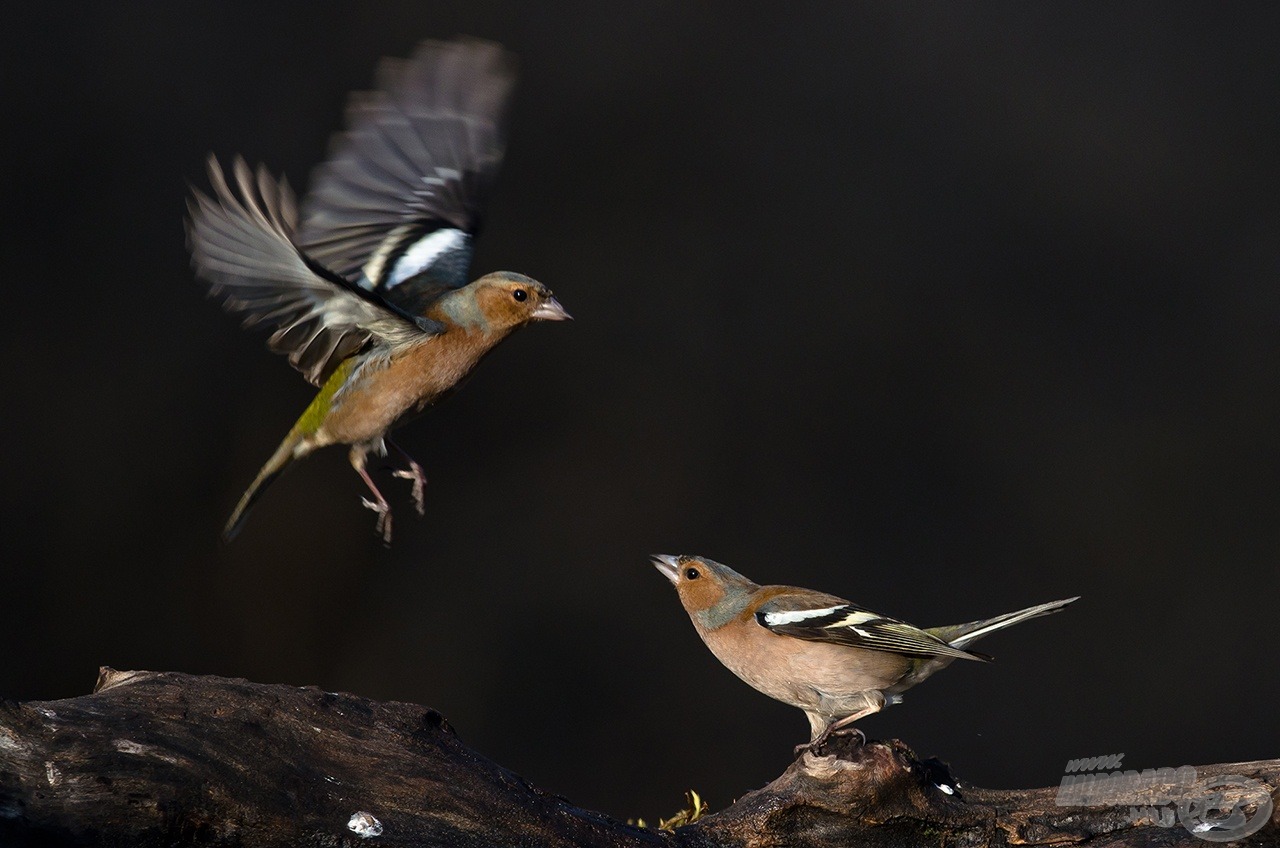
702	583
508	300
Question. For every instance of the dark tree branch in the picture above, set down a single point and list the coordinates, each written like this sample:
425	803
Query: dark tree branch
156	759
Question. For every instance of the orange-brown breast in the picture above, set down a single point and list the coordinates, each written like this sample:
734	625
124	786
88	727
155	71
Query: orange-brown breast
383	393
816	676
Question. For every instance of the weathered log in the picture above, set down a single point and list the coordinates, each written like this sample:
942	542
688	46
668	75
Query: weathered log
152	759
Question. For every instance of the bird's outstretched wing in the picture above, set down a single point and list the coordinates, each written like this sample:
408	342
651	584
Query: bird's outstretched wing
399	200
846	624
243	247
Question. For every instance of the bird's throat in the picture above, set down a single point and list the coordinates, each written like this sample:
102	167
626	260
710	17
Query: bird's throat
718	615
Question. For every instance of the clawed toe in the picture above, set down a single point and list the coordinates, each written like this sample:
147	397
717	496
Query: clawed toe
851	731
414	473
814	745
817	745
378	504
383	525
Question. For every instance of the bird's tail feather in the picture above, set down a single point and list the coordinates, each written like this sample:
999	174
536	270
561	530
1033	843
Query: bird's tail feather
274	467
960	635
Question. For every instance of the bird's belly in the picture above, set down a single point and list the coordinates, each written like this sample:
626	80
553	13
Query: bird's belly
814	676
377	401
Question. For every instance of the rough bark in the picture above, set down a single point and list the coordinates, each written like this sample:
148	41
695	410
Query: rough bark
152	759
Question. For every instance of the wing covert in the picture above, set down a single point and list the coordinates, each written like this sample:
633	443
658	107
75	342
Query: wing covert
399	200
847	624
242	245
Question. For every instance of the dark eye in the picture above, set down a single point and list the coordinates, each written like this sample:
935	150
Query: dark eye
692	574
520	295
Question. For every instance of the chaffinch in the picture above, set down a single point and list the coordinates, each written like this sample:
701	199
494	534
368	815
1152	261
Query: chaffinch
835	660
369	298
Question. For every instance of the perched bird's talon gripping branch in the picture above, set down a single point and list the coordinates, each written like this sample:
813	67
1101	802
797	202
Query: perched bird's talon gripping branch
368	296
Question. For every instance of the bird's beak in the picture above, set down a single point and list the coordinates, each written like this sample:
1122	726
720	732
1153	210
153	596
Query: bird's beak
668	565
551	311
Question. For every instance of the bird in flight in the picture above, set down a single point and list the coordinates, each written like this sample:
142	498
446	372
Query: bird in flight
368	295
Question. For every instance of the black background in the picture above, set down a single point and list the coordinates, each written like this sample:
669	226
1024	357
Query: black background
948	309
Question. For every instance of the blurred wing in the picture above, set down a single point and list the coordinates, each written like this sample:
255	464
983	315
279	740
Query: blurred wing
242	246
399	200
846	624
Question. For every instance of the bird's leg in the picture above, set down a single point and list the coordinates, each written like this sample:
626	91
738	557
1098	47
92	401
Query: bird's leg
379	503
413	472
875	702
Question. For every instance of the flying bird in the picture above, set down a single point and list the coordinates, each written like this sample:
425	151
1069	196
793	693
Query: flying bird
369	296
835	660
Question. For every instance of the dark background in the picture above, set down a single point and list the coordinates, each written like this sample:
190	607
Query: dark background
948	309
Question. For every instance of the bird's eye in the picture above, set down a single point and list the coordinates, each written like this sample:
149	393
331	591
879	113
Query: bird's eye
520	295
692	574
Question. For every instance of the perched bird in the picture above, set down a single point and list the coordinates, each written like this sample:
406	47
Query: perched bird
835	660
369	297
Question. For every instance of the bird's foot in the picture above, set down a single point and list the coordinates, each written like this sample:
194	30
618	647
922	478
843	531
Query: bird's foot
383	527
414	473
851	731
817	745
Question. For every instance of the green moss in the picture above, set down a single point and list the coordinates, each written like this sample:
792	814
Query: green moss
694	809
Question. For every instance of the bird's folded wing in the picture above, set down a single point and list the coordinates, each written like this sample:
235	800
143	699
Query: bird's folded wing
242	246
400	197
846	624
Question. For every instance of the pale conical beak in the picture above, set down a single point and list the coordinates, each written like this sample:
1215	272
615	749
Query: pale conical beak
668	565
551	311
